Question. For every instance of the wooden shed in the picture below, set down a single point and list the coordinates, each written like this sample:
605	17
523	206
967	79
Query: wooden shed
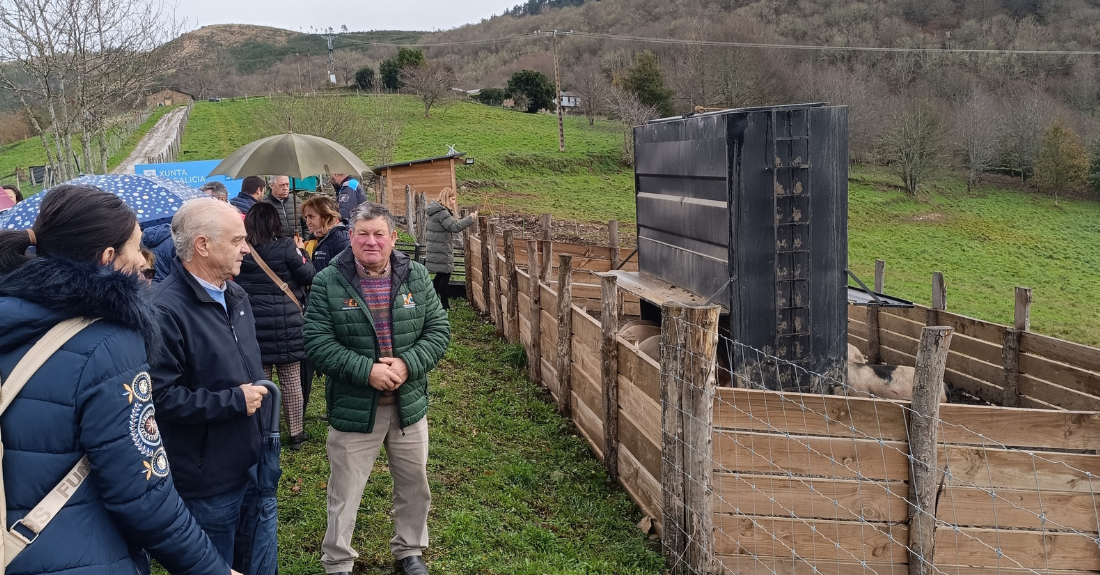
168	97
428	175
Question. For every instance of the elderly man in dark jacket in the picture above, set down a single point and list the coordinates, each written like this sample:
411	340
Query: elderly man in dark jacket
376	328
202	377
290	212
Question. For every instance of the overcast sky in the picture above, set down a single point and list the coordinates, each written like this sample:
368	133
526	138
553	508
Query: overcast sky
356	14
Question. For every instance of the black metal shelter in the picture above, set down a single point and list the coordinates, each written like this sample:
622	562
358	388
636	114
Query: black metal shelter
749	208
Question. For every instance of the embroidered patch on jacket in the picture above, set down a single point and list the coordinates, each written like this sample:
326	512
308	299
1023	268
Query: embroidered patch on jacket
143	426
409	300
350	303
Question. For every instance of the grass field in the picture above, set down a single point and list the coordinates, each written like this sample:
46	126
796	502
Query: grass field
514	490
516	158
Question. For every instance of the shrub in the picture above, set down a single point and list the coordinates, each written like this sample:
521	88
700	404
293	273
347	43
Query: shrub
533	88
1063	162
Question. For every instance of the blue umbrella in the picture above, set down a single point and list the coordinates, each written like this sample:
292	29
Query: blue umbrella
256	547
154	199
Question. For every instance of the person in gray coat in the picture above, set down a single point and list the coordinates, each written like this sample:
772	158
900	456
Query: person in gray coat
440	231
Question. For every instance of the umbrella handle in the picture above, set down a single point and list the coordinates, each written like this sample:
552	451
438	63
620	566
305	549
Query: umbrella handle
271	422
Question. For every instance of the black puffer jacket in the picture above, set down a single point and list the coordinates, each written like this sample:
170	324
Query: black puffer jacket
278	319
329	246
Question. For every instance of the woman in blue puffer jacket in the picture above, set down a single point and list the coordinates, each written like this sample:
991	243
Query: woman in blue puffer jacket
91	398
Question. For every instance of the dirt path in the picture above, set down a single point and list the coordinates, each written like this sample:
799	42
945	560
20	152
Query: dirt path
156	141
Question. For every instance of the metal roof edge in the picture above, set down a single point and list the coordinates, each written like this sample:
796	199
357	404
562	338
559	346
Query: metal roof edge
420	161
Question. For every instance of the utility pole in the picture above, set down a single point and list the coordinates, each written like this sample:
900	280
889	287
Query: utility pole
331	75
557	84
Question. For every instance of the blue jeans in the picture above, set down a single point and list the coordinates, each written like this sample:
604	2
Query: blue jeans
218	516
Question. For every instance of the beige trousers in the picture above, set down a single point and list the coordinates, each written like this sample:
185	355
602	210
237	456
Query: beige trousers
351	457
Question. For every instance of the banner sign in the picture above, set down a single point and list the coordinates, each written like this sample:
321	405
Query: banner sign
192	174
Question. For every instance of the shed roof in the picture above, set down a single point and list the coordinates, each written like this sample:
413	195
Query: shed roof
420	161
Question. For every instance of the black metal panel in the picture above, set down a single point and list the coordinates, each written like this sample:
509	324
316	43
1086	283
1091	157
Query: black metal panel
756	200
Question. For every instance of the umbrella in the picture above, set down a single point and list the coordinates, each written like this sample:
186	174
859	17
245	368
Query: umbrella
256	546
295	155
154	199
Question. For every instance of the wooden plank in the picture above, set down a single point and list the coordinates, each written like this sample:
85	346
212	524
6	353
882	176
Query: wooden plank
641	485
818	541
748	452
1060	374
654	290
1026	549
1062	351
647	452
859	342
974	386
787	565
586	377
642	409
977	349
975	328
586	328
857	328
1057	395
549	335
550	377
1000	468
810	498
1034	403
836	416
589	424
548	299
641	370
1018	509
899	325
896	357
898	342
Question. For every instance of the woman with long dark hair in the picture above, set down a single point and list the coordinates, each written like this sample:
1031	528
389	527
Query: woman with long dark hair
276	295
91	399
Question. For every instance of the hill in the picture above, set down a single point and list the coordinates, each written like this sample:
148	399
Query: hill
986	241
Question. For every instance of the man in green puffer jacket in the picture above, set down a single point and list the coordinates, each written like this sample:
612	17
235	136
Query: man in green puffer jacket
375	327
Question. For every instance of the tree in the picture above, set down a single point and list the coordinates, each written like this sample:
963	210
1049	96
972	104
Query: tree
976	128
390	69
432	81
590	84
628	109
1093	176
643	78
490	96
912	144
1026	116
364	78
1062	163
534	88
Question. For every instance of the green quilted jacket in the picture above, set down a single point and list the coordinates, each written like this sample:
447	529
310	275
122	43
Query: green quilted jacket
340	340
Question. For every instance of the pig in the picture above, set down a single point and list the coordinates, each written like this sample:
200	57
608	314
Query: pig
854	355
885	381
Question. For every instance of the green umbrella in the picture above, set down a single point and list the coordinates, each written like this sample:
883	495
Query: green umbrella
295	155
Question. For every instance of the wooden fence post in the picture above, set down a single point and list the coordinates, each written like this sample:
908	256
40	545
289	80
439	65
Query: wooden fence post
565	335
410	223
511	315
421	218
382	193
880	276
702	325
483	235
466	258
547	250
534	349
609	372
613	243
931	361
939	299
874	343
673	366
1010	353
497	309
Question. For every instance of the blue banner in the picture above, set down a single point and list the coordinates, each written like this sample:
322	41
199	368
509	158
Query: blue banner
190	173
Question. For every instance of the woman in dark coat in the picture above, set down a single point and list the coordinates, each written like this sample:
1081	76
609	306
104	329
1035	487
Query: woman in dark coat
440	230
322	216
278	317
92	398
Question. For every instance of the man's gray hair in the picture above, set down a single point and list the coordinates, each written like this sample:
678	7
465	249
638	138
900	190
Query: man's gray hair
216	190
196	218
372	211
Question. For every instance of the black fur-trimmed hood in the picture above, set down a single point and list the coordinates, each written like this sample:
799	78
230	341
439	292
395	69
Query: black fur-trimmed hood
71	289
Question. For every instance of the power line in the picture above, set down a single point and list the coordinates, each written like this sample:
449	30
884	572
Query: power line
763	45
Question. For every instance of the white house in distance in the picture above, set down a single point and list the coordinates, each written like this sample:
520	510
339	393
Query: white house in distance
569	101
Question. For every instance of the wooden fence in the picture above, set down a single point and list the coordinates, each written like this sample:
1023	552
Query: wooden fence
806	484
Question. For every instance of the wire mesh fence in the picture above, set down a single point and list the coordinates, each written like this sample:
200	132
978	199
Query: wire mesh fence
757	479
